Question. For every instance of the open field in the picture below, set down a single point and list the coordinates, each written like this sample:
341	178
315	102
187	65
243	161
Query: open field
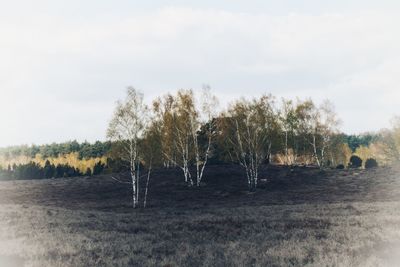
300	217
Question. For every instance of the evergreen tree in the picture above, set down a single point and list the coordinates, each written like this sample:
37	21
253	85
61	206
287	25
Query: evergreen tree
98	168
49	170
88	172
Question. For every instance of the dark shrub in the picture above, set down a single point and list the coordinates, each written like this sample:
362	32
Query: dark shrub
88	172
340	167
371	163
98	168
355	162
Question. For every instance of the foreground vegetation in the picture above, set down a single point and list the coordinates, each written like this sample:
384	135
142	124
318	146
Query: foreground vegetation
300	216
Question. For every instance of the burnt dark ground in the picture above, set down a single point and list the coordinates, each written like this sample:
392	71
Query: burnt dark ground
222	186
298	217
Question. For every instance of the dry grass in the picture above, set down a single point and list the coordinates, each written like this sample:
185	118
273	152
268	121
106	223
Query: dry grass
298	218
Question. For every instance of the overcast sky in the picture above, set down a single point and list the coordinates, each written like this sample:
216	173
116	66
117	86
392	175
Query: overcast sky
63	64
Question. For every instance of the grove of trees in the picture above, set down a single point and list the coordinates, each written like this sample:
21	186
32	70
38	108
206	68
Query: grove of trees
188	130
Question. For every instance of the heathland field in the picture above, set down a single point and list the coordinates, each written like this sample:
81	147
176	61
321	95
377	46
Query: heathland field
297	217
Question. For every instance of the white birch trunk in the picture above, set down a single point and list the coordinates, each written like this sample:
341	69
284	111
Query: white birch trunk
134	199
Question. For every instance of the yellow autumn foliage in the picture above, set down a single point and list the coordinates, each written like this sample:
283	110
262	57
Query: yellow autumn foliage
72	159
377	151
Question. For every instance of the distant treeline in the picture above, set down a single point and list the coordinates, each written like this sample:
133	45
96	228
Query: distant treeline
86	159
33	170
85	150
49	168
101	149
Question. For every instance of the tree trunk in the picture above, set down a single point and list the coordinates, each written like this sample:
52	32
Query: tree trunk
314	144
134	199
147	187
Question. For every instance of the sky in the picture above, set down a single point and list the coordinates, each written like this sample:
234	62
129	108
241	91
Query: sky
64	64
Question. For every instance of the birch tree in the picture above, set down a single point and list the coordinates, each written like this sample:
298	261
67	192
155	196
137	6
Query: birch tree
126	129
249	127
289	123
304	111
181	121
163	123
208	108
151	144
324	126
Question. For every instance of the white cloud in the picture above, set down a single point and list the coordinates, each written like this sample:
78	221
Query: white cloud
83	65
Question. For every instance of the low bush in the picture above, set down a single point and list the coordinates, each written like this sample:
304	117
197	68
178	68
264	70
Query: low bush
340	167
371	163
355	162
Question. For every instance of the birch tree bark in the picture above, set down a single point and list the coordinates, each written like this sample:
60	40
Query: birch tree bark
126	129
